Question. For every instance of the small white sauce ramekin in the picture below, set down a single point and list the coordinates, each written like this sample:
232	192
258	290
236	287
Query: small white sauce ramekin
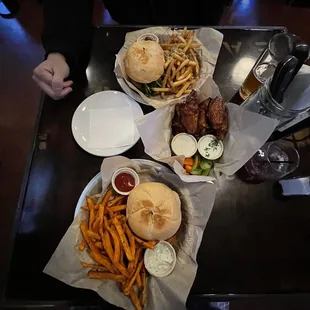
148	252
153	37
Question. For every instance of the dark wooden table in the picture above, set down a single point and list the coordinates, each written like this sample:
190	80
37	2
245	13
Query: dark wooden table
254	242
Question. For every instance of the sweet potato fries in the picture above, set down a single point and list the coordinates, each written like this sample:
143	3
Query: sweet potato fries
117	252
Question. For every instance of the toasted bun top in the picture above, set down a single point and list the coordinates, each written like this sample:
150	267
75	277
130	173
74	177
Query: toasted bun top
144	61
154	211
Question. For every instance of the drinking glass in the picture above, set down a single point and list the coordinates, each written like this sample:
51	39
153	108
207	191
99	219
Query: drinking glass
279	46
272	161
262	102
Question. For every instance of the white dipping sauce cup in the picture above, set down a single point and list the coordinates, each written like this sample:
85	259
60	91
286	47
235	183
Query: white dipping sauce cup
148	253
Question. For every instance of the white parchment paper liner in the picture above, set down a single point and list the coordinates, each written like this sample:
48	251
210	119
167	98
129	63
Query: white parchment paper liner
210	39
163	293
247	133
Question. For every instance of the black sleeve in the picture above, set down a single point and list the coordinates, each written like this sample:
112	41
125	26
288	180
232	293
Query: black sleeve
68	29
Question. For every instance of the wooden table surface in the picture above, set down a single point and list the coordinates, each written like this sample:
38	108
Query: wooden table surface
254	243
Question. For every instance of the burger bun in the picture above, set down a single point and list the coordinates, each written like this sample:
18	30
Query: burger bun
154	211
144	61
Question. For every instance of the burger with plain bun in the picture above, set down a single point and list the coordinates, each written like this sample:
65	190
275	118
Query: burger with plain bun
154	211
144	64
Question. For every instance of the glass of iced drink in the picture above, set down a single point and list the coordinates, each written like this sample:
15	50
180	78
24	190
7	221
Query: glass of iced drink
272	161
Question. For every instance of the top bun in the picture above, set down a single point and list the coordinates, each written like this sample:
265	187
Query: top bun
154	211
145	61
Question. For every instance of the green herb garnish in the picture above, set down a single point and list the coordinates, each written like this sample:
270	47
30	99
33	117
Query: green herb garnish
147	88
211	146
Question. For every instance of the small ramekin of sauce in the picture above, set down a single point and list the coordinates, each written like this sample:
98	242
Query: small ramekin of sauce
184	144
124	180
149	37
160	261
210	147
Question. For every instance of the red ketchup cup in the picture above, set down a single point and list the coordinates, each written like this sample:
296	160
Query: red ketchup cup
124	180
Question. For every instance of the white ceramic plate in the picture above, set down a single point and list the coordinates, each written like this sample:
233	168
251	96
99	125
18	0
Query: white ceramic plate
106	99
124	86
94	186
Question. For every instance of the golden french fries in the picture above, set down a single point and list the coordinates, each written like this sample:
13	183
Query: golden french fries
184	32
167	63
184	87
180	82
195	60
117	253
161	89
174	71
191	37
181	45
181	64
184	73
178	57
167	74
181	39
192	63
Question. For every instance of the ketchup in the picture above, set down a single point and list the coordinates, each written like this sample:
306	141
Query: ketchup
125	182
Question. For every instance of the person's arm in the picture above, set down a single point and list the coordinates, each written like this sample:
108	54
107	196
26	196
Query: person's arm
68	29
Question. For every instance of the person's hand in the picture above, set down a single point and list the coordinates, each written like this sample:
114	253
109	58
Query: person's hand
50	75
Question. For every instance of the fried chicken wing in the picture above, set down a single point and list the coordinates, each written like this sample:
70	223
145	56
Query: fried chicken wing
205	104
177	126
189	114
218	117
202	123
189	118
203	127
208	117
